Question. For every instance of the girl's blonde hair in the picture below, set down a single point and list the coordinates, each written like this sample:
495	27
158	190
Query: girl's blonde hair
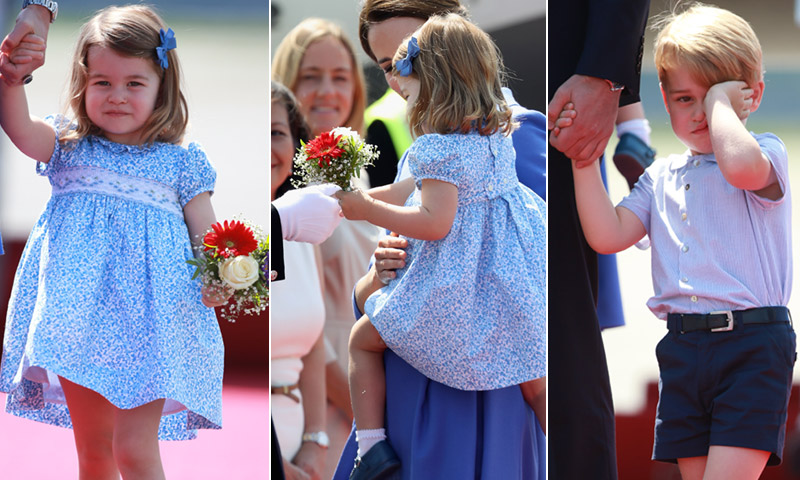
714	44
132	31
460	72
290	52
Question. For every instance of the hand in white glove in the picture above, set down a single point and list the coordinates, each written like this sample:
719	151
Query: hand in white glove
309	214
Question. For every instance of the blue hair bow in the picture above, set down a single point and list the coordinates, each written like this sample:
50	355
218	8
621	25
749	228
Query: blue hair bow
403	65
167	43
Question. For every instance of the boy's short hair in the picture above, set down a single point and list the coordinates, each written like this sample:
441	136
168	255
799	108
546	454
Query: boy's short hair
714	44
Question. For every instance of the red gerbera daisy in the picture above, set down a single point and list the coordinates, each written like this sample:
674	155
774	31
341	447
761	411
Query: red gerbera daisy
230	239
324	148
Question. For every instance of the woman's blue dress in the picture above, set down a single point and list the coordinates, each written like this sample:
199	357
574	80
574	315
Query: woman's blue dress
103	295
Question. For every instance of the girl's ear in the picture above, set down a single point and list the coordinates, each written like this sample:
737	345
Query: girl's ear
758	94
664	96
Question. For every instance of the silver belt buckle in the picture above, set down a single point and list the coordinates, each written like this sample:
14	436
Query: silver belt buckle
728	318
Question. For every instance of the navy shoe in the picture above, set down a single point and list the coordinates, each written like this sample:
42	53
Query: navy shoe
379	463
632	156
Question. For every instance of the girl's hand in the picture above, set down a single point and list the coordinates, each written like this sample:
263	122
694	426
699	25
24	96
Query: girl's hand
356	205
216	296
565	118
311	460
31	48
29	21
738	93
293	472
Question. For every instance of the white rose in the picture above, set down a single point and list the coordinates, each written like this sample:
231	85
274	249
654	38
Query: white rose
346	132
239	272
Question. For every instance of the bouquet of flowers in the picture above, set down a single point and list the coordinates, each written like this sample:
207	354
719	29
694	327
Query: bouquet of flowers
234	258
333	157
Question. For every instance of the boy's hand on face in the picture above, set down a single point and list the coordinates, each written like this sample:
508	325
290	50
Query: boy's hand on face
736	92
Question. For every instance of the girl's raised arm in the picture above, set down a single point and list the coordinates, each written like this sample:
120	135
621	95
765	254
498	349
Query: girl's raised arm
31	135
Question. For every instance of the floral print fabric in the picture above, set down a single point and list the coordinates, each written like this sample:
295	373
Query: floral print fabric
469	310
103	295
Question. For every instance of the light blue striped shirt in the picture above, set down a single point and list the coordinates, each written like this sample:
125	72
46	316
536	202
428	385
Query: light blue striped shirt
714	247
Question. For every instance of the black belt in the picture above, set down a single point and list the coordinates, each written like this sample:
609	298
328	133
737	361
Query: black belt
725	321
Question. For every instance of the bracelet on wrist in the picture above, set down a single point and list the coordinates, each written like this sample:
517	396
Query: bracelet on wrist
48	4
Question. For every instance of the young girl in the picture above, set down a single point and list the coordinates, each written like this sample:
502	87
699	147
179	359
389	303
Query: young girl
106	332
468	310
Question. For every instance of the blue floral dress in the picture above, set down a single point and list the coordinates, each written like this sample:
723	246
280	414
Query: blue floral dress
468	310
103	295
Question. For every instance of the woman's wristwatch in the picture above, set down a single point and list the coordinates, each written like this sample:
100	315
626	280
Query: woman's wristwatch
320	438
48	4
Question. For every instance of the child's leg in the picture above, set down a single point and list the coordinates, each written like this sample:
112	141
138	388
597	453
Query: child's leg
136	442
367	379
110	440
535	394
93	426
729	463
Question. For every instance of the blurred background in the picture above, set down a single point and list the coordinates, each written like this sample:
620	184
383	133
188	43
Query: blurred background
631	349
224	53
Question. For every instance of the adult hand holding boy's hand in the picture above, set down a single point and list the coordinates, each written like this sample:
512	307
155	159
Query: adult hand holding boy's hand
596	106
736	93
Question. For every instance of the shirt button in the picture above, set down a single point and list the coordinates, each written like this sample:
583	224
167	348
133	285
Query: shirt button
683	216
694	298
685	248
697	163
685	280
490	188
687	186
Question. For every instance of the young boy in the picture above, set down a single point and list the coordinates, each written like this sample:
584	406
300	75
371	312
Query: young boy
718	217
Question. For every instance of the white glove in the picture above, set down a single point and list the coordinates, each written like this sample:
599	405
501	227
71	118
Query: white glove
309	214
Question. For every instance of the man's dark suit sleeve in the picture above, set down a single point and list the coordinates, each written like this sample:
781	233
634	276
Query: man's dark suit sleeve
276	264
609	46
276	245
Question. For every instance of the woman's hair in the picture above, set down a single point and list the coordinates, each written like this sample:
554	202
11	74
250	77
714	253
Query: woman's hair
376	11
715	45
460	72
132	31
297	124
289	55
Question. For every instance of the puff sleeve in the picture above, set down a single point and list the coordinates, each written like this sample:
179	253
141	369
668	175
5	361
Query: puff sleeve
437	157
59	124
197	174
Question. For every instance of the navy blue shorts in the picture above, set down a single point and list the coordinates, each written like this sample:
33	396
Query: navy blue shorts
724	388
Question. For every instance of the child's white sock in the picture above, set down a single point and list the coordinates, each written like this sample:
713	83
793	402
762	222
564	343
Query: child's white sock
638	126
367	438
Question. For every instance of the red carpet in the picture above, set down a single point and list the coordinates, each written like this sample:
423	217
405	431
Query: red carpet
34	451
